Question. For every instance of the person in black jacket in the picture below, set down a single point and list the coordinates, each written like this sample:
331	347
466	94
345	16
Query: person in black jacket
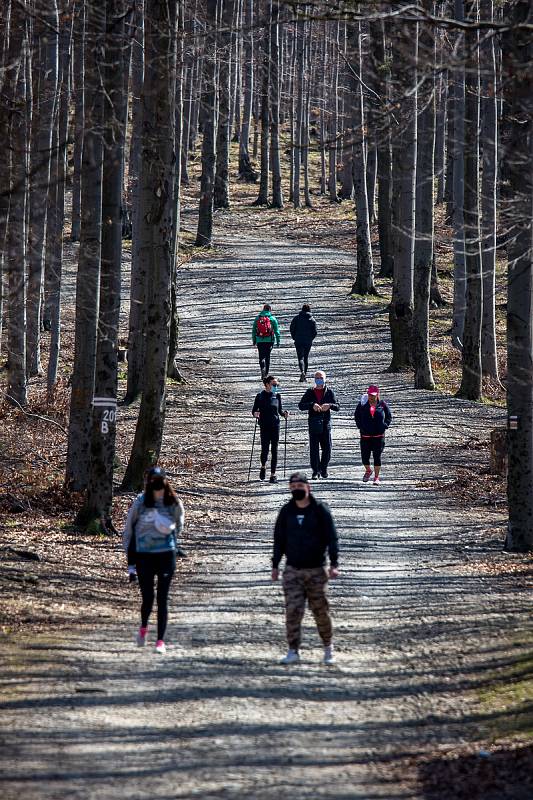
319	402
372	417
303	331
304	531
267	409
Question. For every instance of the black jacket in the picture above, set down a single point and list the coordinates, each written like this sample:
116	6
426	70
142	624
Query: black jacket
372	425
318	420
303	328
269	406
304	541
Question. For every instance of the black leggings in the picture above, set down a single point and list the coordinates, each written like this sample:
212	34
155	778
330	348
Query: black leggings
302	352
148	566
269	439
374	447
263	350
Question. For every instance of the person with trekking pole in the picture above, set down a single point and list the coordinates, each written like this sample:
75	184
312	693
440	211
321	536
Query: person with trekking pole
319	402
373	417
267	409
265	331
303	331
154	522
304	531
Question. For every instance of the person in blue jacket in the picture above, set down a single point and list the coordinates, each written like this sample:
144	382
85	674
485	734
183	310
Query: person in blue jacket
373	417
153	525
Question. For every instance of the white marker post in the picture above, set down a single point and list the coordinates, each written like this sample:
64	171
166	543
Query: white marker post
109	413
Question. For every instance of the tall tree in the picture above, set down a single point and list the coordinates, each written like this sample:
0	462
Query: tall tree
277	192
262	197
404	197
97	507
157	220
458	177
88	277
79	115
364	281
471	351
518	77
138	276
46	66
17	135
424	217
246	171
204	233
221	188
56	197
489	184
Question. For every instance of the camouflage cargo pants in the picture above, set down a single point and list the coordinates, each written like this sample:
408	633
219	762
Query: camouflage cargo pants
299	586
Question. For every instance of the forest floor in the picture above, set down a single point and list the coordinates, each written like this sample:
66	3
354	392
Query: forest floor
431	696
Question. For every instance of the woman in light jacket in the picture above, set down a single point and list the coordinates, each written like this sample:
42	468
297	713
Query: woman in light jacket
154	522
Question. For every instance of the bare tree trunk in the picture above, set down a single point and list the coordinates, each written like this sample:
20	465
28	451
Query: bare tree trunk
384	154
46	28
404	165
364	281
173	371
298	104
489	183
138	277
221	188
518	75
246	171
157	220
277	194
204	233
334	118
471	353
88	278
440	134
99	499
17	136
56	206
306	112
425	178
79	115
262	198
459	280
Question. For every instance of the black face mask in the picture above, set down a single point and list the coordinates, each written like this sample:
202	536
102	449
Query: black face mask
298	494
157	484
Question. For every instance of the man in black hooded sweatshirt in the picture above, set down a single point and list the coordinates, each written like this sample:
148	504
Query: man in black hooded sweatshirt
303	331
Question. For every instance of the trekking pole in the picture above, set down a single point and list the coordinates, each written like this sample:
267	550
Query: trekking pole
285	454
252	453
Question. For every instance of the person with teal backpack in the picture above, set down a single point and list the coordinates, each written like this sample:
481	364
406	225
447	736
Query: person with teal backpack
265	331
154	522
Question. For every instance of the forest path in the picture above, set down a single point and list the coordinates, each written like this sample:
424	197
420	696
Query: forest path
416	624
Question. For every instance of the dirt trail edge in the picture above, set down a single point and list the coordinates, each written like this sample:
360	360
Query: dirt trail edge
417	625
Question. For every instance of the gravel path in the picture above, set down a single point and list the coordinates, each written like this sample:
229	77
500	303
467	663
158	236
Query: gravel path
417	625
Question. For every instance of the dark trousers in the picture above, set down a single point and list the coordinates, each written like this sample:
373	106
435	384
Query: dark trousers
302	352
373	446
150	565
320	441
269	440
264	349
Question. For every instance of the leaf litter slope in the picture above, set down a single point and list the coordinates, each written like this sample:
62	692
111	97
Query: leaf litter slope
416	625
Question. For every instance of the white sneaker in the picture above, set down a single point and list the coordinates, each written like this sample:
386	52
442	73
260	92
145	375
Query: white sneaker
329	656
292	657
160	647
